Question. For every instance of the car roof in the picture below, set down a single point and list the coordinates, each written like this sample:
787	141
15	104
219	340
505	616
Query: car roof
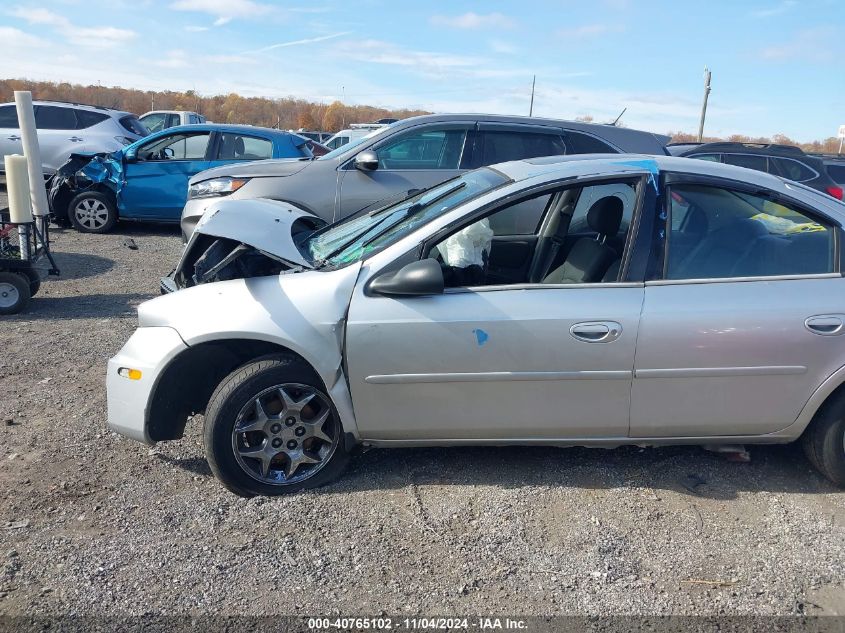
626	139
78	106
772	149
551	168
225	127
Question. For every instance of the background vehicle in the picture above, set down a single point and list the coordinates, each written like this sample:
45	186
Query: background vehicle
148	180
716	317
786	161
835	165
320	137
157	120
67	128
352	133
394	161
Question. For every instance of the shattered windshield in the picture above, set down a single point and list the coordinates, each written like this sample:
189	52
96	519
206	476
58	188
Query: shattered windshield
352	239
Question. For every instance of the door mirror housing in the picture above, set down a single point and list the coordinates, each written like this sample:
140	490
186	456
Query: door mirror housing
424	277
366	160
130	156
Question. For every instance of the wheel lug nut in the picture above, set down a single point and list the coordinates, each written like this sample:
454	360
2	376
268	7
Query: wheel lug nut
300	431
290	421
276	443
275	428
292	444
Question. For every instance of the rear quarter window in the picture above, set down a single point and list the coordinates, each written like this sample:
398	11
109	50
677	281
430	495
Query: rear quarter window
837	172
578	143
132	124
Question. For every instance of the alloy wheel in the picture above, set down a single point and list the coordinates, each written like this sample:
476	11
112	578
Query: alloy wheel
91	213
285	434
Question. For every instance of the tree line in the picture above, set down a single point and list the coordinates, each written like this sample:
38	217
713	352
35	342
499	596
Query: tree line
284	113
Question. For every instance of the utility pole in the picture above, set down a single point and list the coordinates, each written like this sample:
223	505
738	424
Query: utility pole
704	104
531	107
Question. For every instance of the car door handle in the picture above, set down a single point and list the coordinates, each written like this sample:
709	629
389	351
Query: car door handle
14	137
75	139
826	324
596	331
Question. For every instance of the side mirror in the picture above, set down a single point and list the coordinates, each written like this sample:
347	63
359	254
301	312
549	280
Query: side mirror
130	156
424	277
366	161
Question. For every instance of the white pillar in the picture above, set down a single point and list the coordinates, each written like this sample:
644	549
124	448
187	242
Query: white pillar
29	139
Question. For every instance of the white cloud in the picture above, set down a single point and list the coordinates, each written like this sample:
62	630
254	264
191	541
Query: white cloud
379	52
778	9
224	10
590	30
473	21
196	29
14	38
88	36
173	59
222	20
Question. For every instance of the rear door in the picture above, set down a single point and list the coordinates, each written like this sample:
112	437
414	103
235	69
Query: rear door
747	320
413	159
57	135
156	184
10	133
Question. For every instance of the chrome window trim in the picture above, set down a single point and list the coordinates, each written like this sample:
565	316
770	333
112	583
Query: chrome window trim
715	280
528	286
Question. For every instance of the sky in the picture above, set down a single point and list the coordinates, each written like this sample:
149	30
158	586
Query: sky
777	64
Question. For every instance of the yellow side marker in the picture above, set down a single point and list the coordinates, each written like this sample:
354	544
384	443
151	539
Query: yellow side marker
131	374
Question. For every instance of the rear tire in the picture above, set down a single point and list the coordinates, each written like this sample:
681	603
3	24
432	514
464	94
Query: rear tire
34	282
14	292
261	441
92	212
824	441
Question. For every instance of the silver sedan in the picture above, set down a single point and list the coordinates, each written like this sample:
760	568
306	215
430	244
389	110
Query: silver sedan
595	301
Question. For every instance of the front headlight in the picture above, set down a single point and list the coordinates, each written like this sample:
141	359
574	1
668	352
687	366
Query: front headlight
216	187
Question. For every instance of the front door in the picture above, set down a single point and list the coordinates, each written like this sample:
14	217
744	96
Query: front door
156	184
499	360
747	321
417	159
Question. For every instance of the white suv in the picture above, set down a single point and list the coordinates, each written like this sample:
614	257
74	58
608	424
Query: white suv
66	128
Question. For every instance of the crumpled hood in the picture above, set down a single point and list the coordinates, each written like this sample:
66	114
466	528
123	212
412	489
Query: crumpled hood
255	169
266	225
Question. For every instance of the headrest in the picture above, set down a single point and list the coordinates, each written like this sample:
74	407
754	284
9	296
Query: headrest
605	216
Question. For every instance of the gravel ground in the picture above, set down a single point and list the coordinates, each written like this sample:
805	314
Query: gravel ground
93	523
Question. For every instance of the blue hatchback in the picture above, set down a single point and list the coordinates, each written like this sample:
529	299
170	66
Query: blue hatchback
148	180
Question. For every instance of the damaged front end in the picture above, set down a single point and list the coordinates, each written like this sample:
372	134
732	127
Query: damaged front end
84	172
240	239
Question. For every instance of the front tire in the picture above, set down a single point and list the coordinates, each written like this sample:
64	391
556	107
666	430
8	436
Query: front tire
270	429
824	441
92	212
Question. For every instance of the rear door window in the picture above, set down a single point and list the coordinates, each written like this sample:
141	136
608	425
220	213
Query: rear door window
8	117
727	234
86	119
241	147
750	161
579	143
500	147
155	122
54	118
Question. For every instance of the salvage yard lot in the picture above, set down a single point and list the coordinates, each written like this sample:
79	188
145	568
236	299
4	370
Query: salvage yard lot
94	523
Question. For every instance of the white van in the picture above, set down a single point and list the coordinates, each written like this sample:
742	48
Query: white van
355	131
157	120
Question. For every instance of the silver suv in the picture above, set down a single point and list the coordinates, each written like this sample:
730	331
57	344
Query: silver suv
66	128
407	156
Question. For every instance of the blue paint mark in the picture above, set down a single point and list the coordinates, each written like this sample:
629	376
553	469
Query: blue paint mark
648	165
481	336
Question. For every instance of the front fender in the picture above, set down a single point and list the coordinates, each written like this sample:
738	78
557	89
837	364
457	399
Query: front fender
304	312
